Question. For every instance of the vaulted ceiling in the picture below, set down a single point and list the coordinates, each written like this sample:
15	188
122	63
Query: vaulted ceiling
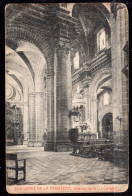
24	66
31	32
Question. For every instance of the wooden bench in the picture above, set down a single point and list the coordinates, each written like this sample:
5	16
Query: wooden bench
16	167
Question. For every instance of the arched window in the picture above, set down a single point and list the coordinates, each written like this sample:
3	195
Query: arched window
76	61
101	40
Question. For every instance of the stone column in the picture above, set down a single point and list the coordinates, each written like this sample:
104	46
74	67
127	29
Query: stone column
59	89
59	85
86	86
93	114
39	118
100	129
32	121
25	117
49	146
119	36
25	122
63	98
88	103
59	101
36	119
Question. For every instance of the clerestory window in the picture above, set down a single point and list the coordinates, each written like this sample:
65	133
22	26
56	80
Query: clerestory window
106	98
76	61
101	40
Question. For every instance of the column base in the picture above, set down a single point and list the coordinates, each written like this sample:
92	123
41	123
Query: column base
49	147
121	137
35	144
25	142
64	147
117	137
59	147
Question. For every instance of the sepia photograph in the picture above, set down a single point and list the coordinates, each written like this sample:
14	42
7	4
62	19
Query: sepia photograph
66	97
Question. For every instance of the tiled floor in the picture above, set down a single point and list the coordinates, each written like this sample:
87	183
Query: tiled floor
61	168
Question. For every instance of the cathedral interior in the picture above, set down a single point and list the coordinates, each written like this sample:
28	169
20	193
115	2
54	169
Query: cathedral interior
66	68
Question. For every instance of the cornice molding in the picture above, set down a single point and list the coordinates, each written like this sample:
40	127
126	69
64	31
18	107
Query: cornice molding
88	68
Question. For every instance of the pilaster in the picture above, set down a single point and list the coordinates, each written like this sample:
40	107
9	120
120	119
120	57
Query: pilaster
36	119
49	146
86	79
119	36
25	122
39	117
59	86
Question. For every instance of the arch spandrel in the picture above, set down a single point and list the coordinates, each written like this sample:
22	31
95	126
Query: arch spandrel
35	58
102	75
105	110
21	33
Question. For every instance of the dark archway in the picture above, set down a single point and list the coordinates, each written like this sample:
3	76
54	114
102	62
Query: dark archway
107	126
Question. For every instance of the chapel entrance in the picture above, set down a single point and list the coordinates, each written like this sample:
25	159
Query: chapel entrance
107	126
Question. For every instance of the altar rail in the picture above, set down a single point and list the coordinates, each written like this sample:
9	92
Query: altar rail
107	152
95	150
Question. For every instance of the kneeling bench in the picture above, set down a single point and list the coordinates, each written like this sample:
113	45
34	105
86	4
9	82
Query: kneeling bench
16	167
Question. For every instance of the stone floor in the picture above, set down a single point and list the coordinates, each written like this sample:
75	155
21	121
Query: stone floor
61	168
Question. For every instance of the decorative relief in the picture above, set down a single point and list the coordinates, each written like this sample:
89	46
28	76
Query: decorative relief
64	46
79	93
86	78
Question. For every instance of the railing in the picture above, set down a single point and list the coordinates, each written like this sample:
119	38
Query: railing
102	150
106	151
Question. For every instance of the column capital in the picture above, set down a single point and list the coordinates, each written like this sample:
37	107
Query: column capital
62	46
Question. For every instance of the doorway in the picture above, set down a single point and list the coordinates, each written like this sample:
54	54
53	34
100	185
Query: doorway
107	126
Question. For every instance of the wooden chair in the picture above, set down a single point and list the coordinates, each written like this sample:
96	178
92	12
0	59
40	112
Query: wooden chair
16	167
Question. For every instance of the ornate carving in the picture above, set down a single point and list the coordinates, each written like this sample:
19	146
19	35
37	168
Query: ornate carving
79	94
87	82
63	46
86	78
